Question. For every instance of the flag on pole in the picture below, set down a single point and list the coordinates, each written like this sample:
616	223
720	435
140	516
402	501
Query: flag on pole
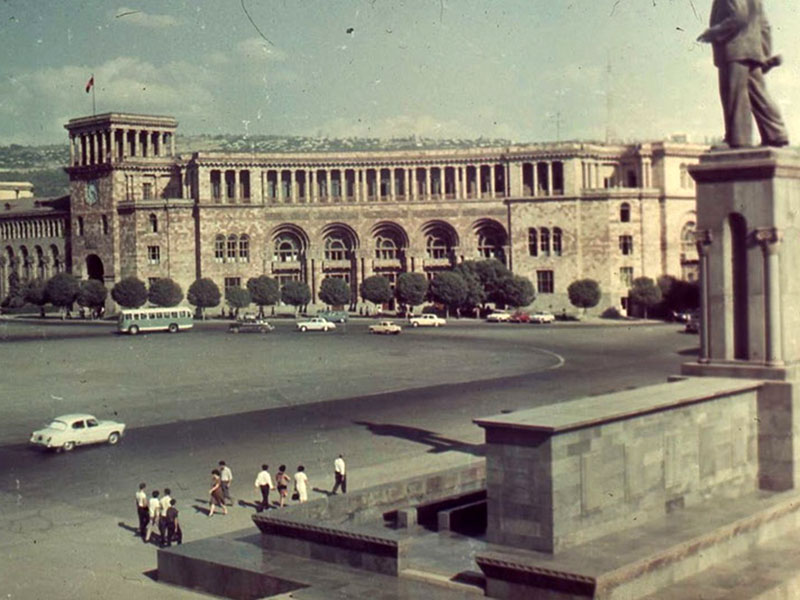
90	84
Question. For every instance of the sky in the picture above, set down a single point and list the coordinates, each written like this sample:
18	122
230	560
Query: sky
522	70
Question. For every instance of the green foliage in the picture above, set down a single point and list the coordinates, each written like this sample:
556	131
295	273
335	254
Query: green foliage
237	298
264	291
515	291
62	290
165	292
35	292
129	292
376	289
296	293
584	293
334	291
203	293
645	292
678	294
490	273
411	289
92	294
448	288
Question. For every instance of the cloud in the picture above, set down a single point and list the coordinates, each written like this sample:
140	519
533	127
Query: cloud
132	16
257	49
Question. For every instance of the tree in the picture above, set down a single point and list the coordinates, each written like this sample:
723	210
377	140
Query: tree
61	290
376	289
411	289
645	292
237	297
165	292
334	291
35	293
489	273
92	294
448	288
515	291
203	293
264	291
296	293
129	292
584	293
678	295
476	295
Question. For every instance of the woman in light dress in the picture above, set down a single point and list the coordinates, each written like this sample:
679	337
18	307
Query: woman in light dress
301	484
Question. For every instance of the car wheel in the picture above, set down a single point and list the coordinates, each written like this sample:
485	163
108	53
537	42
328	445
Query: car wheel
435	324
303	328
133	329
68	446
113	439
415	324
173	328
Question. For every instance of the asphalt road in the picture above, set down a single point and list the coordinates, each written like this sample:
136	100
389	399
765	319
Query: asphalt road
389	404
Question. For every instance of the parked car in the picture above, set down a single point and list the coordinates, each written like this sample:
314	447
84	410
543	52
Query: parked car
386	327
334	316
693	324
520	316
67	431
250	323
316	324
542	317
498	316
427	320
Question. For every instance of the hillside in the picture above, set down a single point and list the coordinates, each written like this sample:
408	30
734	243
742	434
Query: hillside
43	165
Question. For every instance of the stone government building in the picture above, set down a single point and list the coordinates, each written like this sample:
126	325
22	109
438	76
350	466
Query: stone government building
553	212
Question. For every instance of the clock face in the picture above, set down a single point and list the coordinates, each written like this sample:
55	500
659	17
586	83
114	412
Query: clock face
91	192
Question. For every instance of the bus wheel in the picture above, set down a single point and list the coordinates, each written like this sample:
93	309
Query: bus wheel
133	329
173	328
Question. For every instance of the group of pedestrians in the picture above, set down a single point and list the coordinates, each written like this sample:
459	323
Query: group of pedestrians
158	513
264	484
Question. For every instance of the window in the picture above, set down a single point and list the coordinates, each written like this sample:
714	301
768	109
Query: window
625	213
154	255
80	226
105	225
219	249
232	247
385	248
626	244
437	247
544	241
544	282
147	191
335	249
230	185
533	243
153	223
78	425
216	185
233	282
287	248
244	248
556	241
626	277
92	422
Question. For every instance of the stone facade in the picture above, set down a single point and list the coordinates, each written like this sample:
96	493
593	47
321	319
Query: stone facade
552	212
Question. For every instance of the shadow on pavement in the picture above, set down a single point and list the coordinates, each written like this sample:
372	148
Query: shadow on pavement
436	442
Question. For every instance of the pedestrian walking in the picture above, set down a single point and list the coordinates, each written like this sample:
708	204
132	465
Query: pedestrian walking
264	484
215	493
339	475
174	532
153	513
301	484
282	481
226	477
164	502
141	510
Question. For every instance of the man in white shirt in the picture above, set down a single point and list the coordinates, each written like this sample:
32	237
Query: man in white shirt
226	477
154	512
264	483
164	504
141	510
340	475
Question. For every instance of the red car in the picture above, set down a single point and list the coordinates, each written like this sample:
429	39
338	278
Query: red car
520	317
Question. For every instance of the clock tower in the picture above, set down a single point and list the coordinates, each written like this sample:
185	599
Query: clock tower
117	162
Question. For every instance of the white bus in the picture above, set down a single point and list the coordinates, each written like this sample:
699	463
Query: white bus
172	319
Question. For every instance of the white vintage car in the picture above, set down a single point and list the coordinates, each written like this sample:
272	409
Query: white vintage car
427	320
67	431
385	327
316	324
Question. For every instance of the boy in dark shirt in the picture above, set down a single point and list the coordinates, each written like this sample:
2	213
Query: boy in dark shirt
173	527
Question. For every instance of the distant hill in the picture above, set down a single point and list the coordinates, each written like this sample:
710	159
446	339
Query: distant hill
43	165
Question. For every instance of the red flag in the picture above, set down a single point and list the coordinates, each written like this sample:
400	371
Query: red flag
89	84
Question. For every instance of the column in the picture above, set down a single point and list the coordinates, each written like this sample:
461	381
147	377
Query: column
71	150
312	186
135	149
413	188
703	240
171	144
428	181
549	177
293	185
769	238
279	185
491	181
459	175
392	183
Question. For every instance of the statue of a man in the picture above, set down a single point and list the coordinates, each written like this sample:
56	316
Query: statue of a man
740	36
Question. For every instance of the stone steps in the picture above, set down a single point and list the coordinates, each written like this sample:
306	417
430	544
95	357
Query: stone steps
470	583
